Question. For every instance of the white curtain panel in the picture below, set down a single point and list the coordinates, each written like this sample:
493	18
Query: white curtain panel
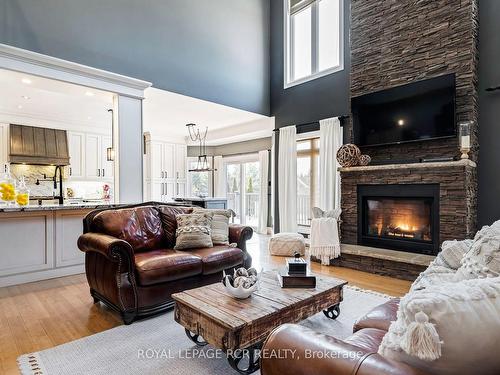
331	138
263	201
287	179
219	177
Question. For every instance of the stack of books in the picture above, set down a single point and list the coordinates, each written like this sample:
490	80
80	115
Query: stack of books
296	274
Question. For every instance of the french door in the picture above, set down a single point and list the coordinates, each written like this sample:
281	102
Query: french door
243	189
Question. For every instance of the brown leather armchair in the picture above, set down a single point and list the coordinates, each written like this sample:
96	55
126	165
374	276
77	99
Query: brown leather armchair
131	265
320	354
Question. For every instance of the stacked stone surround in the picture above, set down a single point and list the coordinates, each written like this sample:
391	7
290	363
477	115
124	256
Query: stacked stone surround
457	194
403	41
398	42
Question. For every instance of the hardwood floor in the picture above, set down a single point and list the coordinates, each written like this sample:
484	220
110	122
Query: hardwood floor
44	314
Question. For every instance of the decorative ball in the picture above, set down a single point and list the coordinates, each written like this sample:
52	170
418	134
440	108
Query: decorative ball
348	155
240	280
252	272
247	283
241	272
364	160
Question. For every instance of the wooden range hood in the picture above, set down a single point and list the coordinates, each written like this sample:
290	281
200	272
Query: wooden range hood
40	146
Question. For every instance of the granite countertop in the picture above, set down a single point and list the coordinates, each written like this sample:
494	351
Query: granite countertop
57	207
199	199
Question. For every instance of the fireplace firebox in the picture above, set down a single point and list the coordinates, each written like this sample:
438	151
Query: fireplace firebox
401	217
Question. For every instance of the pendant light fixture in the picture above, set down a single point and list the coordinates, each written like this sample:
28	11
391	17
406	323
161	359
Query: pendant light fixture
196	136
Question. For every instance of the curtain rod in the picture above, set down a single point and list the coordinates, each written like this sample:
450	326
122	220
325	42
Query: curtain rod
343	117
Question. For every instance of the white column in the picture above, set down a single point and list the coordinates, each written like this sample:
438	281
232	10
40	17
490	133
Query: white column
129	153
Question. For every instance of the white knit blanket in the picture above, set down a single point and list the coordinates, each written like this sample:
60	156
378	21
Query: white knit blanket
325	244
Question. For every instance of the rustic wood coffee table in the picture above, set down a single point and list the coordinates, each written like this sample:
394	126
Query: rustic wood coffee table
211	316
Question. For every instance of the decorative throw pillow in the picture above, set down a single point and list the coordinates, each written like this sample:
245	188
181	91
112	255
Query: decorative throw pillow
483	258
169	221
447	329
443	268
220	225
452	252
193	231
319	213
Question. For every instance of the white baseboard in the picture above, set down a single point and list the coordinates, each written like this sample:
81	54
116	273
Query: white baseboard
41	275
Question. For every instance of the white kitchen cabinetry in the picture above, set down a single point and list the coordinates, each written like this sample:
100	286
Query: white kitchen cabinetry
92	159
106	166
40	244
76	147
180	170
88	157
4	136
165	170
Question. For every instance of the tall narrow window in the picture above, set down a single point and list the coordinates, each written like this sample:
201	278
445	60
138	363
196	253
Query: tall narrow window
307	179
313	39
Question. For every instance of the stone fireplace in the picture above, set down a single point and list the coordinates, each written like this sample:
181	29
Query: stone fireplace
402	216
408	207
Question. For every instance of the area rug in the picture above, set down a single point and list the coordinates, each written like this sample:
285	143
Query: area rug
160	346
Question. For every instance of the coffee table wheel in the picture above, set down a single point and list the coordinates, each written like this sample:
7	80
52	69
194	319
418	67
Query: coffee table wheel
332	312
245	361
197	339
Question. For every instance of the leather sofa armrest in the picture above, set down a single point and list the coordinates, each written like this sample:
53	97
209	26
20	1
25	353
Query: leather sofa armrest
239	234
109	246
295	350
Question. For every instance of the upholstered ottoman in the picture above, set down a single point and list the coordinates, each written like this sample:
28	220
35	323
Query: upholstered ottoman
287	244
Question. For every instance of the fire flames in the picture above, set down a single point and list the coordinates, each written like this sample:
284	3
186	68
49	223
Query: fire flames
399	220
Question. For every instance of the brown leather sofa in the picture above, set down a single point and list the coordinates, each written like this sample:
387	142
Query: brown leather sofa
321	354
131	265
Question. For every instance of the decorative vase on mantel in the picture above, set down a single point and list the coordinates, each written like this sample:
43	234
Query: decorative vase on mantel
464	138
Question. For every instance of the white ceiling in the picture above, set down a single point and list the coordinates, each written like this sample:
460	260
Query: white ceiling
47	102
167	113
50	103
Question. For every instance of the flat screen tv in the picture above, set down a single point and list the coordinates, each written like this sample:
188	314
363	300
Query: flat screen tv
417	111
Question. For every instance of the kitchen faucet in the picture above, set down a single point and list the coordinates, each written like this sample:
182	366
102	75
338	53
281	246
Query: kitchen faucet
60	197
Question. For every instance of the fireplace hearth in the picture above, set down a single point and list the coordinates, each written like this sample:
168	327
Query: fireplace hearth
401	217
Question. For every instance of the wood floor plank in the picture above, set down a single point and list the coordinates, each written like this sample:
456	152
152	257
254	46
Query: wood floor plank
43	314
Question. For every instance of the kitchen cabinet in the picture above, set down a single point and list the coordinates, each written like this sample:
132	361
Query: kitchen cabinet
76	145
106	166
165	169
41	244
92	159
4	136
88	156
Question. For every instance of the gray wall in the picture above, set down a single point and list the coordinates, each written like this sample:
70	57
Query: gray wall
217	50
312	101
489	112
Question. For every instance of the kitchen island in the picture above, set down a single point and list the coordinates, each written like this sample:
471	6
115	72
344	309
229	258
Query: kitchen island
40	242
205	202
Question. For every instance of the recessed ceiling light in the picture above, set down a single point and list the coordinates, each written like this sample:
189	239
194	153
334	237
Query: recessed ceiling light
20	106
26	81
89	93
26	97
401	122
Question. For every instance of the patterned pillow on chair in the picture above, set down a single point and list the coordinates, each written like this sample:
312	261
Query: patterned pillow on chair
319	213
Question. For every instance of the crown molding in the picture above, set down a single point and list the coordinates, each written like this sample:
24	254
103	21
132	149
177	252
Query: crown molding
30	62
